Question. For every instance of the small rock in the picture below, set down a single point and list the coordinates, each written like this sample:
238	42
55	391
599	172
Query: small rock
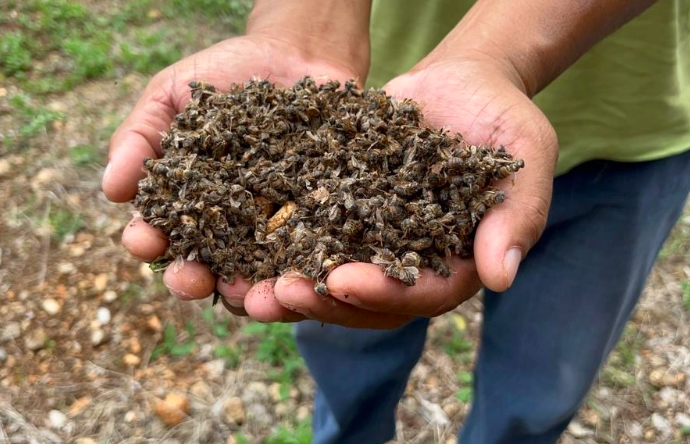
173	409
3	92
201	390
57	419
451	408
303	413
281	410
100	282
57	106
146	309
215	368
85	441
231	440
274	392
135	345
145	271
103	315
5	167
233	411
78	406
3	355
255	391
36	339
46	176
51	306
634	429
97	337
578	430
433	413
682	419
669	395
76	250
11	330
154	14
656	377
662	425
131	360
66	268
452	440
259	415
109	296
130	416
154	323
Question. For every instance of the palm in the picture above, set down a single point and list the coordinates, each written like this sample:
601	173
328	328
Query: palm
487	108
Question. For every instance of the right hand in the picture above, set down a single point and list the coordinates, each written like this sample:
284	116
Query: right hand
138	137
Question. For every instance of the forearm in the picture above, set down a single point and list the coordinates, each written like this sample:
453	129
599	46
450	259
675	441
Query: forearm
335	31
536	40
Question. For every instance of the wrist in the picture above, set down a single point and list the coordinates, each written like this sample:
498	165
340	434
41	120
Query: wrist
333	32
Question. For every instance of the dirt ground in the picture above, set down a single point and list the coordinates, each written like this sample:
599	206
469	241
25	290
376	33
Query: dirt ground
92	346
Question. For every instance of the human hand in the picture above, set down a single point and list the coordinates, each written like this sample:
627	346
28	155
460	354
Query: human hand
231	61
486	103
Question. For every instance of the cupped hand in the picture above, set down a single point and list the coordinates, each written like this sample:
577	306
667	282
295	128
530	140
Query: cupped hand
487	105
138	137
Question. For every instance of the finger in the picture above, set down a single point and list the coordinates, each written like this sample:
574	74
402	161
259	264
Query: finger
298	294
509	230
365	286
144	241
261	304
190	281
234	293
138	138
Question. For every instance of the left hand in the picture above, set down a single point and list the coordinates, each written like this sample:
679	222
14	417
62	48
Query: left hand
487	104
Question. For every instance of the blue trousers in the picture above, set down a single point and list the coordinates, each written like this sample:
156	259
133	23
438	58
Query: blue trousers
543	340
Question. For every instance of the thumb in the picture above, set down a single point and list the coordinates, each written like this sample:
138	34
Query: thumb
138	138
509	230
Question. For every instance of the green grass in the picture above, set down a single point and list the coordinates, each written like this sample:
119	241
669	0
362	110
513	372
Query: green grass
621	367
277	347
32	119
64	223
464	392
686	295
113	42
288	434
171	345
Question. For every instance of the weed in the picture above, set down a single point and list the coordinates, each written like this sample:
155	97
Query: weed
219	329
32	120
171	346
229	354
277	348
284	434
64	223
241	439
465	381
15	55
84	155
686	295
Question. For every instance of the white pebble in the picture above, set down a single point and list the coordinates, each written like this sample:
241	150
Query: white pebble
103	315
51	306
57	419
97	337
109	296
662	425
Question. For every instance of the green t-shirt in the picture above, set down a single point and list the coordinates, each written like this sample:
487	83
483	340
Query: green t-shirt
627	99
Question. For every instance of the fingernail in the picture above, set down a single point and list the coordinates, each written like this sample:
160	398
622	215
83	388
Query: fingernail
511	262
108	169
235	300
